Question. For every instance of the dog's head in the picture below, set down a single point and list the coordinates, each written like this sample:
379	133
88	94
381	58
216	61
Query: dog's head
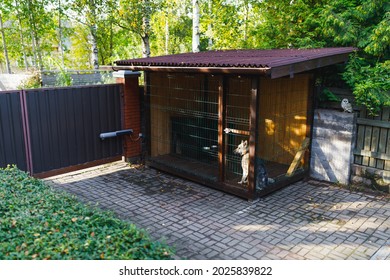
242	149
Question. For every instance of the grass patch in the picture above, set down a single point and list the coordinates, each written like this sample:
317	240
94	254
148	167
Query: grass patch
37	222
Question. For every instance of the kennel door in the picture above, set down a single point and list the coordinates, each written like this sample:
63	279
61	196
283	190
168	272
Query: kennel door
236	131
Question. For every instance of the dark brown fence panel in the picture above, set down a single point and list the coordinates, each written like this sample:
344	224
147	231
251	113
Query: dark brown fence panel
65	124
373	140
12	147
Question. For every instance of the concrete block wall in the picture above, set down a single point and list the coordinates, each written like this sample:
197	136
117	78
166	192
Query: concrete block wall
12	81
49	78
332	145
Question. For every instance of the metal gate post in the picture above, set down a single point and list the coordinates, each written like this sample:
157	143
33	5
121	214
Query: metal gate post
26	132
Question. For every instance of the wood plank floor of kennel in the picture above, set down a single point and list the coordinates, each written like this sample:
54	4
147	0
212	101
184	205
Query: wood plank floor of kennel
199	107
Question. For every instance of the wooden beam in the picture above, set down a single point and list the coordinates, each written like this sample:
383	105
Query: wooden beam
377	123
371	154
298	156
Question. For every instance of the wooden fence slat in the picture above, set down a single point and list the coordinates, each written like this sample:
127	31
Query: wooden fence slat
367	144
359	143
374	145
383	138
386	114
387	162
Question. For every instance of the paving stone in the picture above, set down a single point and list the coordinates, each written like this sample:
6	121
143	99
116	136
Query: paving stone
307	220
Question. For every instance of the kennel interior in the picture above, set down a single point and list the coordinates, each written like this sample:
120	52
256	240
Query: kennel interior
198	120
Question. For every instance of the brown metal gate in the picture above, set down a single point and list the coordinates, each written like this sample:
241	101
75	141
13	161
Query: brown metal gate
12	141
55	130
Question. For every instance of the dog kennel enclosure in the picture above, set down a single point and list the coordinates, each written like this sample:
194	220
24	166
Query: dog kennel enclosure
213	116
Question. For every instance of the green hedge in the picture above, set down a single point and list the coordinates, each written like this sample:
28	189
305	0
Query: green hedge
37	222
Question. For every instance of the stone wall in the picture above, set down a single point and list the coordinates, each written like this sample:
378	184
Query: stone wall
332	145
375	178
11	81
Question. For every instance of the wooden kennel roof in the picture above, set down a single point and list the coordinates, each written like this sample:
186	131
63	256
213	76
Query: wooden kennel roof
274	63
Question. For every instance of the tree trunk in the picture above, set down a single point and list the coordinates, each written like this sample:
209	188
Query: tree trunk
61	47
95	52
21	36
145	45
5	46
146	30
195	26
210	27
246	18
167	33
35	40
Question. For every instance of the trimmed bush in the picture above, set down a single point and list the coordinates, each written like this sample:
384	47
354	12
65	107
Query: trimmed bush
37	222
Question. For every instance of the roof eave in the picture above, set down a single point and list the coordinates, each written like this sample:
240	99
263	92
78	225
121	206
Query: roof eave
303	66
210	70
277	71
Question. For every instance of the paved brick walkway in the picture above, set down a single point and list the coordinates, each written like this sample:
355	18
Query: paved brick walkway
307	220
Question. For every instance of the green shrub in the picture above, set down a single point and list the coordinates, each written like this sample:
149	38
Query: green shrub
63	78
34	81
328	95
37	222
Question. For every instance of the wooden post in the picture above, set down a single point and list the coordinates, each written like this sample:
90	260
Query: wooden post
253	138
221	123
131	112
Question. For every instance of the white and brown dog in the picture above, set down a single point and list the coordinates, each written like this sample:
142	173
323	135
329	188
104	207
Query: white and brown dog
243	151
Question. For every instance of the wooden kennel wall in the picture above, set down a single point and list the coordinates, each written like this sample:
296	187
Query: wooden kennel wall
191	113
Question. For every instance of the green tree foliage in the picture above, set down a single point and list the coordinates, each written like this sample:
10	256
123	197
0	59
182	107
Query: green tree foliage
366	25
4	41
370	82
171	25
74	31
229	24
289	24
92	14
134	16
29	28
37	18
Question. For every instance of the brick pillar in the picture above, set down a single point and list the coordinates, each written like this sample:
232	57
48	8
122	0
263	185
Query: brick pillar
131	113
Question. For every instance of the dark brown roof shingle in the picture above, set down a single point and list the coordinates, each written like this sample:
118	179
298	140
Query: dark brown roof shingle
264	61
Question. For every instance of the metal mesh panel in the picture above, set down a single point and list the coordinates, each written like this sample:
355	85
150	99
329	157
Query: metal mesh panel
184	123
